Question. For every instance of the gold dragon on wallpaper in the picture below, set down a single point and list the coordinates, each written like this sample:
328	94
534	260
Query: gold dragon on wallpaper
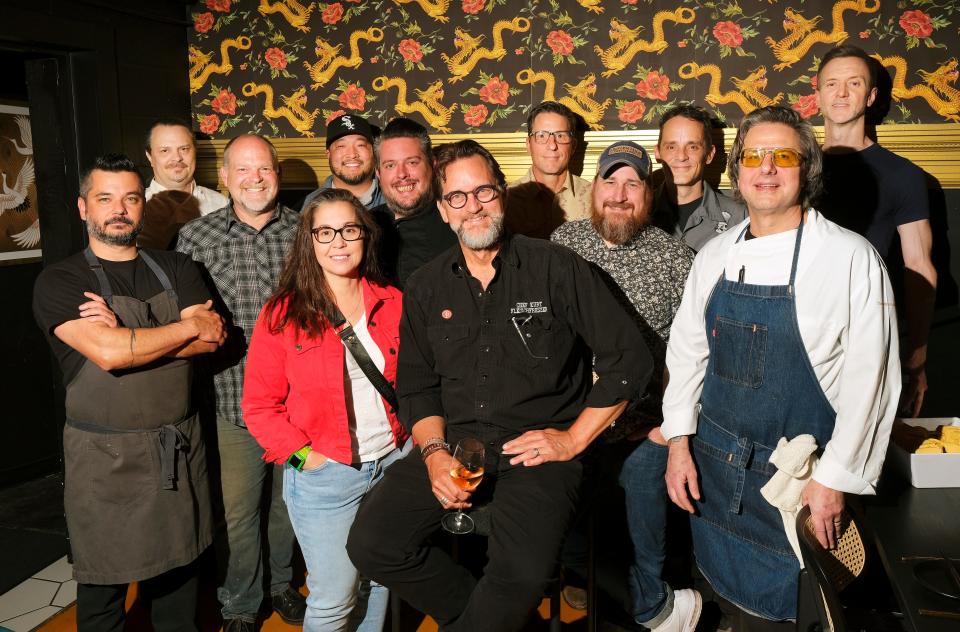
617	63
469	52
329	59
937	89
428	103
201	68
627	43
801	34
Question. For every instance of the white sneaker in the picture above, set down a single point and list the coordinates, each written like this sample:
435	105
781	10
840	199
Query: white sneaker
686	612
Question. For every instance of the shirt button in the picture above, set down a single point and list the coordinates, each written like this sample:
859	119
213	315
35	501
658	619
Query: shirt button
482	405
488	321
393	351
485	348
483	378
373	324
623	381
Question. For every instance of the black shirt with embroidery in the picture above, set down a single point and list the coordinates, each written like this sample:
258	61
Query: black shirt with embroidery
516	356
647	274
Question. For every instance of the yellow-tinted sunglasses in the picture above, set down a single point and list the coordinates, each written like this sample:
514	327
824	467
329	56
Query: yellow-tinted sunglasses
782	156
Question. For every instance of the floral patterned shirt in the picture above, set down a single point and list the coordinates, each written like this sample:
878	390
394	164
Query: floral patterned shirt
647	274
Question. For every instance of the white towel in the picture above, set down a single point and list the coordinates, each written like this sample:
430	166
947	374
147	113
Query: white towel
795	460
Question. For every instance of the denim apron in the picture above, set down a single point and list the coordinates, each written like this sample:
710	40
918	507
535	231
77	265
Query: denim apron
136	494
759	386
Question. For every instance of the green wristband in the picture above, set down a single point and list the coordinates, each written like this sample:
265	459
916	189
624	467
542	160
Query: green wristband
299	458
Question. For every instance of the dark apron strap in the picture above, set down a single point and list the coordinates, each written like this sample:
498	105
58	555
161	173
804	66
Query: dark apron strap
106	292
169	437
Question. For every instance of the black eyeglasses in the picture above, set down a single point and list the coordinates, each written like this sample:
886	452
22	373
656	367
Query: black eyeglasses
349	232
484	193
519	322
562	138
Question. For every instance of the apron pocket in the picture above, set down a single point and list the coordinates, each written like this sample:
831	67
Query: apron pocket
120	467
738	350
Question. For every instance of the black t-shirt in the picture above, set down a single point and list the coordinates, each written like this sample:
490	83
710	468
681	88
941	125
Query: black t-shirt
58	292
408	243
872	192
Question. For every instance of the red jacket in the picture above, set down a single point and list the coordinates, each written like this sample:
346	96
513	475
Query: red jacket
293	391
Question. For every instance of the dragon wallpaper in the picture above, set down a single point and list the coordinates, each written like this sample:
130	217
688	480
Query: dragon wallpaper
284	67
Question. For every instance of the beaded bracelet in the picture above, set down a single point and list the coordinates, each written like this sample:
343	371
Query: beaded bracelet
433	441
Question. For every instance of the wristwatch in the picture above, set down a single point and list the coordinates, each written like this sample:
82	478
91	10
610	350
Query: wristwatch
299	458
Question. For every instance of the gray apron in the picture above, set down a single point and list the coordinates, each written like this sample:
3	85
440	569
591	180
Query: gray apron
136	493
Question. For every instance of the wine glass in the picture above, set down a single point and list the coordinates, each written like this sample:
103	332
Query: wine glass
466	472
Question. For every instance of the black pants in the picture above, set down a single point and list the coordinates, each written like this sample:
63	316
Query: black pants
170	597
530	510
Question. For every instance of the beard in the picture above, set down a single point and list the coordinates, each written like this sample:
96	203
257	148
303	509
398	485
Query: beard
360	178
484	240
617	229
99	232
400	209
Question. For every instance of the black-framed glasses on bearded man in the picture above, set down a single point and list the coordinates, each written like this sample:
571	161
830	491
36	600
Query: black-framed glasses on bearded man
483	193
326	234
562	137
782	156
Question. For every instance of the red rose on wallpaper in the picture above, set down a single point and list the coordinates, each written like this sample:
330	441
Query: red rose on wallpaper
353	97
410	50
728	33
476	115
332	14
224	103
865	34
813	82
203	22
496	91
210	124
807	105
631	111
916	23
223	6
560	42
655	86
473	6
334	115
276	58
629	1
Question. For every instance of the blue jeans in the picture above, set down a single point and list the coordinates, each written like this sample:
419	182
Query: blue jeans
646	498
250	487
322	503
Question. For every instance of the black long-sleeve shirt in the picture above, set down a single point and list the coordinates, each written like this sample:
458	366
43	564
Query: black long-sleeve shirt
518	355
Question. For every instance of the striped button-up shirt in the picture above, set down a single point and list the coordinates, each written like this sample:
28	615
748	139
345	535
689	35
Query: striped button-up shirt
244	265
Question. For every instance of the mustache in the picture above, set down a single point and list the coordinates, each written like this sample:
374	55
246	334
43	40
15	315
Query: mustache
120	219
622	206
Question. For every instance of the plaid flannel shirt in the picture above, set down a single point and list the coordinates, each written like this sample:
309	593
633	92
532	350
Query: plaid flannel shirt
244	266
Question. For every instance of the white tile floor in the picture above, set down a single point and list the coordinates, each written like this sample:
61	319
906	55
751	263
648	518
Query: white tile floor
28	605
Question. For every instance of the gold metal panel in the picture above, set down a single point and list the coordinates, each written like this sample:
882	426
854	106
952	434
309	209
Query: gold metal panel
933	147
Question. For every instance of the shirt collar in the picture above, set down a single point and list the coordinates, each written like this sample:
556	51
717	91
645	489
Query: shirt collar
507	254
155	187
231	218
567	183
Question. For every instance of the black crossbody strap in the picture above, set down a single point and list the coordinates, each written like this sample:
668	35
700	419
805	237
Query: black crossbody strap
353	345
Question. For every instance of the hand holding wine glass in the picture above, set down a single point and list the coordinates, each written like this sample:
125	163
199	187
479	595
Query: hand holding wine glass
466	471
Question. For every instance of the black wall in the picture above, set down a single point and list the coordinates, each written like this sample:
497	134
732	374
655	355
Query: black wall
119	65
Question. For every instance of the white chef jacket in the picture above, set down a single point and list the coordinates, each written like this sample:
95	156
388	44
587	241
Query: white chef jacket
847	321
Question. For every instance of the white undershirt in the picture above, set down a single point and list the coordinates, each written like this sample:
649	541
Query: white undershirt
368	416
845	312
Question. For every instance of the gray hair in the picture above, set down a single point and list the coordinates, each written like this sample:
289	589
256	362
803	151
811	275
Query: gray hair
811	166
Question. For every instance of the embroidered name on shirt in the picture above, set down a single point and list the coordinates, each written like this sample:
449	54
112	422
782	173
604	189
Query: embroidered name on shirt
532	307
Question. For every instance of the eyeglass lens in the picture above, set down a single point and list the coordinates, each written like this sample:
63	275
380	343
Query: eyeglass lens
782	156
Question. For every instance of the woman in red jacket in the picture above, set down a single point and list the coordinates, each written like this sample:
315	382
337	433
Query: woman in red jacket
309	403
